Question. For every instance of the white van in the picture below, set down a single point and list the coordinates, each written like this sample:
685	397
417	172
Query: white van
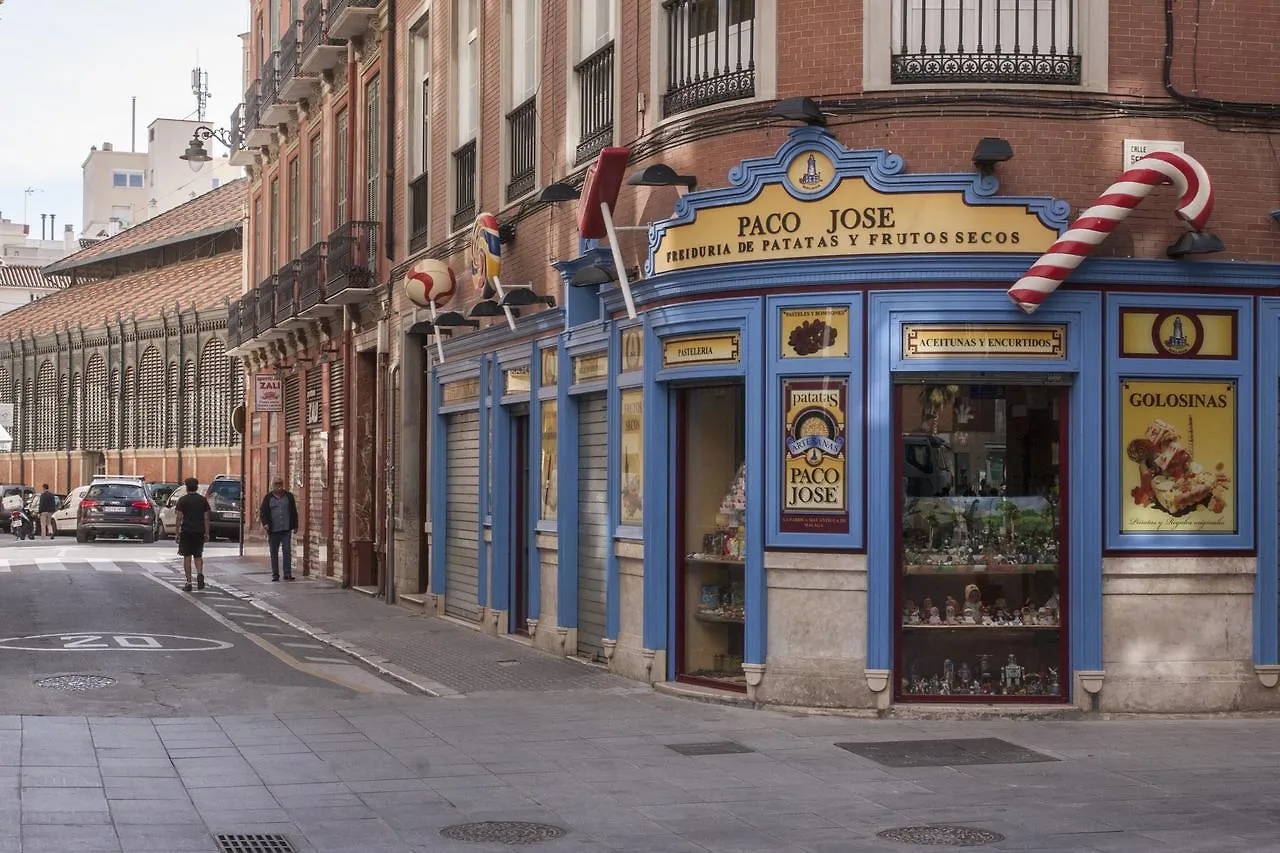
64	517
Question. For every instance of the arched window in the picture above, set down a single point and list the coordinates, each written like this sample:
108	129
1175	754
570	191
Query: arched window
97	406
151	399
46	407
129	408
173	405
6	396
75	415
61	442
189	403
237	398
28	403
113	407
215	394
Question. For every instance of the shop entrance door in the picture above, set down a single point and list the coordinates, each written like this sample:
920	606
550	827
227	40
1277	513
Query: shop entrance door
710	535
982	550
519	611
593	522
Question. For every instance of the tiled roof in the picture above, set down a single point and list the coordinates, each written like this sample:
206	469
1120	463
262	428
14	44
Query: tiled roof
199	284
215	211
21	275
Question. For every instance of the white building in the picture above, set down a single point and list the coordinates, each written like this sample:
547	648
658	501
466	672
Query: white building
21	283
17	246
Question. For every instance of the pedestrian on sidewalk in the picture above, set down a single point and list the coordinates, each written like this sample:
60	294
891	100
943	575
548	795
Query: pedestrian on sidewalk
279	517
192	514
48	503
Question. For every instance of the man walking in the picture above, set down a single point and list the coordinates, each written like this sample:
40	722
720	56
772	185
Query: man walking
48	503
192	516
279	517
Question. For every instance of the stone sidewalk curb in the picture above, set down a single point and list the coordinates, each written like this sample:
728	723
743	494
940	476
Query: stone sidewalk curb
380	664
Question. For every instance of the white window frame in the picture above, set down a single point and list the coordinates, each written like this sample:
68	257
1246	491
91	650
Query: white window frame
128	175
579	52
468	94
417	148
878	41
511	97
766	58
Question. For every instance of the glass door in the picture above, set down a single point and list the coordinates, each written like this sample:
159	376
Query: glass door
981	553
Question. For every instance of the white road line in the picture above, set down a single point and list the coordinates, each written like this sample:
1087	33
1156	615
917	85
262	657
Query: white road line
327	660
46	565
4	566
104	566
303	645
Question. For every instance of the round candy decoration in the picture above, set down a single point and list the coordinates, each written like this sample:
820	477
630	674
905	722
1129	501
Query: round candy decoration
485	250
428	281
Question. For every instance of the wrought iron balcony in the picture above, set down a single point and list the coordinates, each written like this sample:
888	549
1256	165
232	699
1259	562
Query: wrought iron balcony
321	51
595	103
352	261
286	311
464	186
233	325
711	53
274	109
313	273
266	306
256	134
419	210
294	82
351	18
248	316
240	153
522	141
987	41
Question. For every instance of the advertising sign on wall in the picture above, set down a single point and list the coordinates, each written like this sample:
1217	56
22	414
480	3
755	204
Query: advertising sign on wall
1178	469
269	393
815	465
815	332
631	482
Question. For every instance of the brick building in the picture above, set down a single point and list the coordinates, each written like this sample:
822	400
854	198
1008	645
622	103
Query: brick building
615	487
124	369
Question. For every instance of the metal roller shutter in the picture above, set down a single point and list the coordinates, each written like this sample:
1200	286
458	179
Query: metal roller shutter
593	523
462	506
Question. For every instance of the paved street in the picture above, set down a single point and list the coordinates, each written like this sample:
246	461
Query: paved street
271	718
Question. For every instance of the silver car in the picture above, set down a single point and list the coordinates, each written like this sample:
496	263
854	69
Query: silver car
168	512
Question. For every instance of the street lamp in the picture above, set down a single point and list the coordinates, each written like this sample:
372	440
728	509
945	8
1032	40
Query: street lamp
196	154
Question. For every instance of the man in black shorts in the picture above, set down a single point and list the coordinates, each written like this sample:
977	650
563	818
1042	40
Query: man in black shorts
192	516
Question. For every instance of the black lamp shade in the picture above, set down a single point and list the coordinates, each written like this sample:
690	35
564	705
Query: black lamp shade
1195	243
195	153
593	274
661	175
486	308
558	192
800	109
518	297
991	150
453	318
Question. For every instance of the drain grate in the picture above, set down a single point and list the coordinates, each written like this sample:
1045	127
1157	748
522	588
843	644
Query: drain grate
503	832
941	836
255	844
955	752
75	682
719	747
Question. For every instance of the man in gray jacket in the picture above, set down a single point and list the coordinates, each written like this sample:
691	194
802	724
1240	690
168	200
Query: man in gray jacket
279	517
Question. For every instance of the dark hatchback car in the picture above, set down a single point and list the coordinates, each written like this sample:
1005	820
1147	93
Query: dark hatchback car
116	509
225	496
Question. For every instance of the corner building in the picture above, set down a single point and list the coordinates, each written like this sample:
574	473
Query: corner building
829	462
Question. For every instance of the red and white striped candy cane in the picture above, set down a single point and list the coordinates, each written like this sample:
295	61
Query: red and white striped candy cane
1161	167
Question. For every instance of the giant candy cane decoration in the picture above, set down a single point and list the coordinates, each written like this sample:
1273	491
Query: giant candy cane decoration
1161	167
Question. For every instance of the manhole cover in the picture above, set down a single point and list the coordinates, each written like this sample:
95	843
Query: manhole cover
76	682
255	844
503	832
719	747
941	836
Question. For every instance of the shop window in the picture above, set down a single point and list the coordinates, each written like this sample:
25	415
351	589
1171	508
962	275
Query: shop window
548	480
711	583
632	462
980	582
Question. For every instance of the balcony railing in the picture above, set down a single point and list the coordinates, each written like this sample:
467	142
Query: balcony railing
293	82
233	324
312	273
352	257
266	304
987	41
248	316
350	18
464	186
236	135
287	293
522	130
595	103
320	51
256	134
269	79
711	53
419	210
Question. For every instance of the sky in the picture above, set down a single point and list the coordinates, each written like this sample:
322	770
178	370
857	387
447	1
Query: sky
68	72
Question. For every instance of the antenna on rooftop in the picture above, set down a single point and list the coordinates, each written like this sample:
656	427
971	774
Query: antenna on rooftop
200	88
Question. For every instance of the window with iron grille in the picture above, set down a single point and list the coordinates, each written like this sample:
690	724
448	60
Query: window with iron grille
151	431
215	394
314	167
61	441
113	407
97	404
129	408
711	53
273	250
258	258
292	419
173	403
295	209
314	402
75	413
46	408
237	399
337	394
372	147
341	160
19	421
188	430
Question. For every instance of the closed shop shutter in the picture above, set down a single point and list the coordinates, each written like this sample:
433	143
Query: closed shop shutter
593	523
462	507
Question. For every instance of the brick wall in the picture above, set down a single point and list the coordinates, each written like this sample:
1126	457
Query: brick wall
65	472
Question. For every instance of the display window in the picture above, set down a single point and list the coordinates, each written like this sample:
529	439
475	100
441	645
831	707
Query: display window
548	477
712	508
981	568
631	451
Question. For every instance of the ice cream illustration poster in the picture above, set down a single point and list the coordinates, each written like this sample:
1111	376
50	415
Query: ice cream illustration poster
1178	457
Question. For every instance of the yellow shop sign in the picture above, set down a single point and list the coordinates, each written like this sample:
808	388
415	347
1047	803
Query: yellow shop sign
704	349
1002	341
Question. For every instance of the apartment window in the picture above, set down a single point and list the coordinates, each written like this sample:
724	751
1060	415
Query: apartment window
711	53
466	45
341	214
593	78
419	136
257	239
273	16
313	170
274	236
127	179
295	204
372	147
522	118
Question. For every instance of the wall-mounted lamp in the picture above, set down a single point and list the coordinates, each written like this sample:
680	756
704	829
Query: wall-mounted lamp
518	297
1195	243
451	319
506	233
426	327
559	192
1275	216
489	308
593	274
806	110
661	175
196	154
991	150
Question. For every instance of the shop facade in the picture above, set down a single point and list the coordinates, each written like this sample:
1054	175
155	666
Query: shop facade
830	463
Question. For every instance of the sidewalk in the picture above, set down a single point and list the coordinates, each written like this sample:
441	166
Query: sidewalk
437	656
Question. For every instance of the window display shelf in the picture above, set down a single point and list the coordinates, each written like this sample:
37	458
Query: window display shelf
713	560
978	568
993	627
729	618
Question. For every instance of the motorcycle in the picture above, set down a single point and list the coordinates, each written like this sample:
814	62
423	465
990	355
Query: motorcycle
21	525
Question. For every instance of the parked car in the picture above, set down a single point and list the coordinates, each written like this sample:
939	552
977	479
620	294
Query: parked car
67	513
33	504
160	491
168	512
116	507
226	499
9	490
